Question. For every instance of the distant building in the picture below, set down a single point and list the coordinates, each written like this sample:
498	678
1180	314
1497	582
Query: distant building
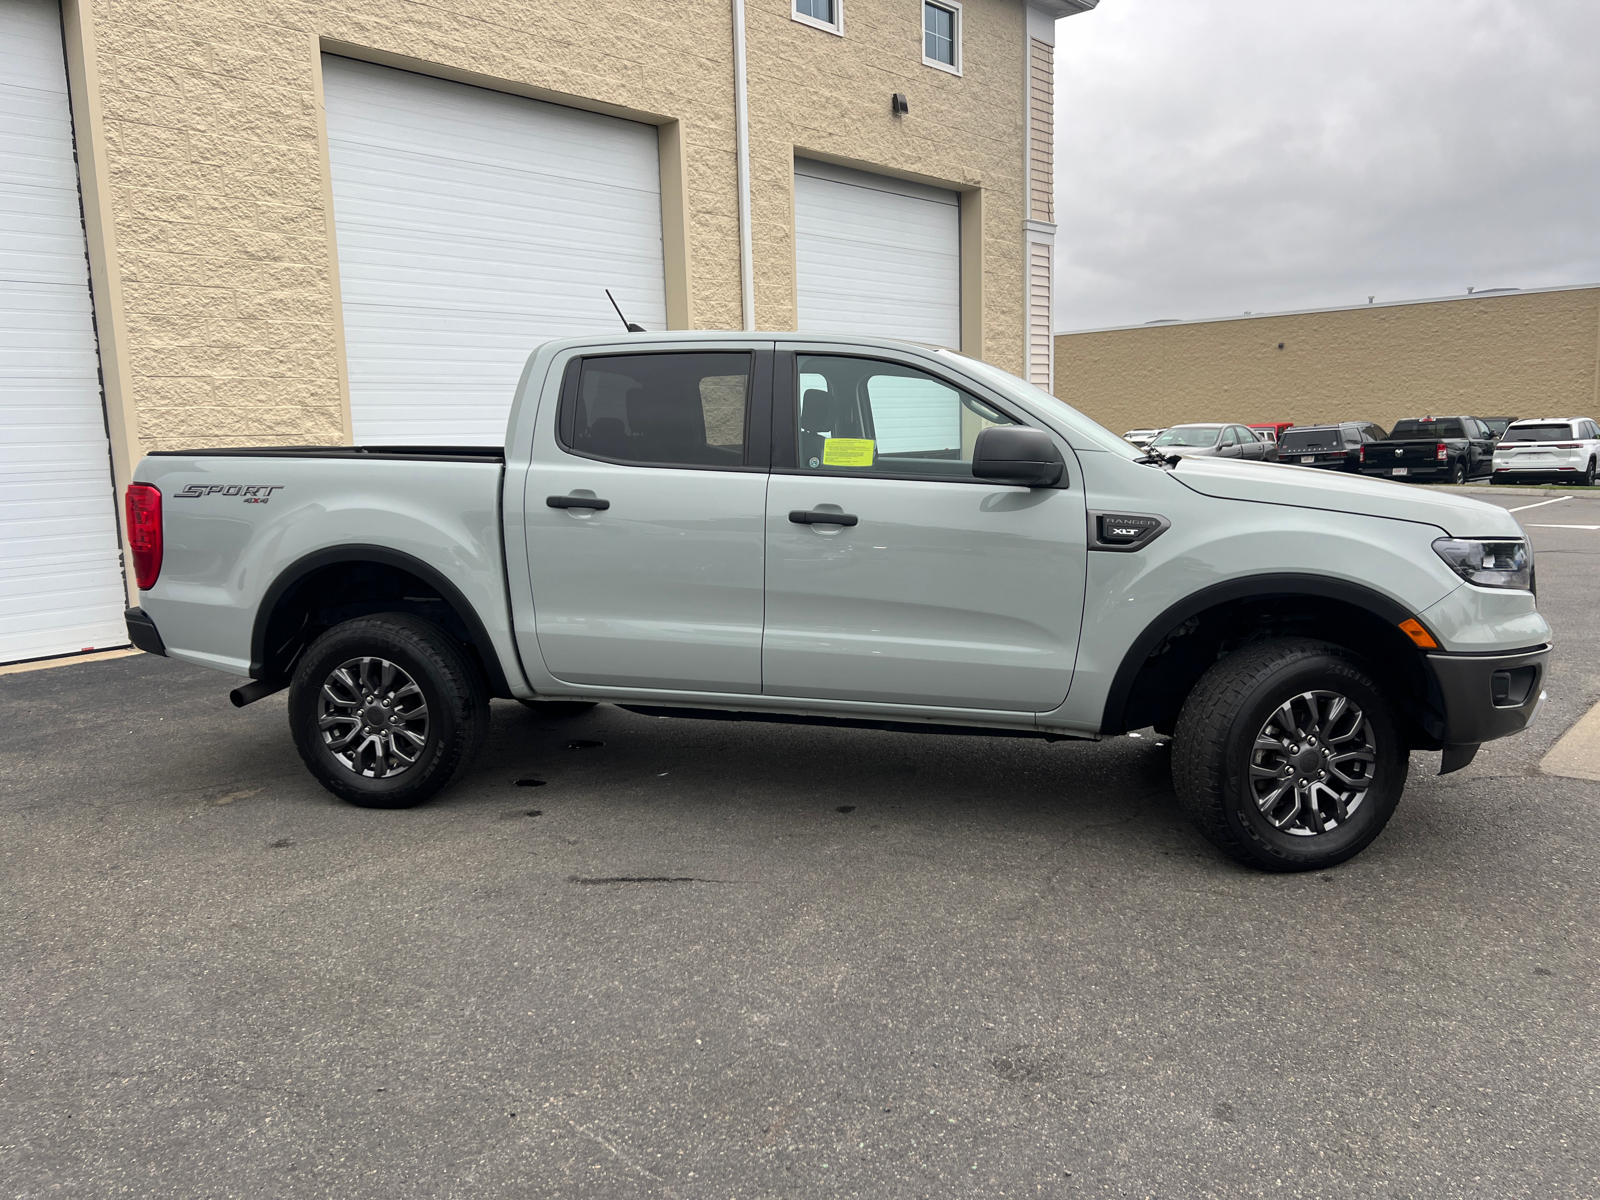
1501	353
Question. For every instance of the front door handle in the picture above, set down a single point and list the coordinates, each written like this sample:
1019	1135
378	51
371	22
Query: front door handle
802	517
577	502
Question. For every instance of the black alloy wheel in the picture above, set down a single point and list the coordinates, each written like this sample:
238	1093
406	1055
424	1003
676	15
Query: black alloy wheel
387	710
1287	755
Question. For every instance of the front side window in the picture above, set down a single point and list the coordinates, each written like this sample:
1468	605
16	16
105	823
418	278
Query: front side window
863	416
941	35
660	409
824	13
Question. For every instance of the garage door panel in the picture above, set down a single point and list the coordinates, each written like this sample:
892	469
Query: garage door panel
877	256
61	586
471	226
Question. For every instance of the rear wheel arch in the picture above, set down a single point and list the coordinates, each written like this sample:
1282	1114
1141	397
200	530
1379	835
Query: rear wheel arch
320	590
1167	659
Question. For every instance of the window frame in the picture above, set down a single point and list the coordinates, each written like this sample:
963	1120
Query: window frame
786	416
836	28
757	415
953	7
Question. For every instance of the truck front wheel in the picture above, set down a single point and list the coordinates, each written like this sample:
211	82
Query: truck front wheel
386	710
1286	755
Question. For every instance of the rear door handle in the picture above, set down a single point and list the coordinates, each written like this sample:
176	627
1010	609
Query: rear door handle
802	517
577	502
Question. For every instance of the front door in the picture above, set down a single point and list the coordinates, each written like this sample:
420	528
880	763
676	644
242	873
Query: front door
644	513
933	587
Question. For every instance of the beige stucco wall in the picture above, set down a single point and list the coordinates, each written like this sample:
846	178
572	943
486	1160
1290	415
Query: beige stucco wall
1528	354
206	116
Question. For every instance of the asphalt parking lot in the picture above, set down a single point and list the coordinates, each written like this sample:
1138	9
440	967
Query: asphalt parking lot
639	957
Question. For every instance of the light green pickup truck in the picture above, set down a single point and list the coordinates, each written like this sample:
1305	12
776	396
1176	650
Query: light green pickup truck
802	528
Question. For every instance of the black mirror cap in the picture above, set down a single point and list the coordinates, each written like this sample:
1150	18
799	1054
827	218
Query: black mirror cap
1018	455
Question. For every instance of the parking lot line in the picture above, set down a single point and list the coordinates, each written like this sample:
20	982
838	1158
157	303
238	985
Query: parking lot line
1541	504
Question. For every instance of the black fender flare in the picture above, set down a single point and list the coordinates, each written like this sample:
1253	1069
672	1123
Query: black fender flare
1321	587
315	561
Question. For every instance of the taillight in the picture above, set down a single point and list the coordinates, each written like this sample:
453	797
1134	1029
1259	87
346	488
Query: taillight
1566	445
144	533
1441	452
1363	454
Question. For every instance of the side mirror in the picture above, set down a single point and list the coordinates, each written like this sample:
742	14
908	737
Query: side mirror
1019	455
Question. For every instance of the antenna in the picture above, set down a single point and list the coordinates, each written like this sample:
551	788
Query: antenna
627	324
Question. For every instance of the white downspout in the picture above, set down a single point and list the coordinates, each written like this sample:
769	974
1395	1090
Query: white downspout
741	121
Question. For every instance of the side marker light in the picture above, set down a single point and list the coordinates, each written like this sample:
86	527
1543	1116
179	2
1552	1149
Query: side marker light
1413	629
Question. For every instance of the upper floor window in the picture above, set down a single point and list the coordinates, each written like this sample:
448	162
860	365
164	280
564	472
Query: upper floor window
941	35
824	14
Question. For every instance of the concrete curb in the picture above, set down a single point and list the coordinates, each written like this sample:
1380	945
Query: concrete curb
1485	489
1577	754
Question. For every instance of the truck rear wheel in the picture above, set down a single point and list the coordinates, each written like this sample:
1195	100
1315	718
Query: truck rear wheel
386	710
1287	756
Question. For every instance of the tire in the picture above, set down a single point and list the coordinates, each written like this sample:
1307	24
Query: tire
1588	475
1458	472
1215	751
380	669
558	710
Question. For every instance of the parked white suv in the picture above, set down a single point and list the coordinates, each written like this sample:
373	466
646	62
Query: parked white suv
1548	450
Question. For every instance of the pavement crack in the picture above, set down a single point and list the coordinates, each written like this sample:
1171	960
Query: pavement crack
622	1157
593	880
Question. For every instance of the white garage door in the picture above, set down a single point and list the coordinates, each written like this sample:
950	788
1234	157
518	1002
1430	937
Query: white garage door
876	255
473	225
61	586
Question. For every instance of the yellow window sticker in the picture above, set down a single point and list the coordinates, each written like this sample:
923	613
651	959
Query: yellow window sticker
847	452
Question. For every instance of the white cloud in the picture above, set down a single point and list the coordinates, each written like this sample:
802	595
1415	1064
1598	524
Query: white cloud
1218	156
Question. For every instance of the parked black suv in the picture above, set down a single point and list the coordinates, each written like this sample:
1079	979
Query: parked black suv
1333	447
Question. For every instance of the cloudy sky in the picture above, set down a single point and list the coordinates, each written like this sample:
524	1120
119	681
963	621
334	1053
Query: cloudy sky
1219	156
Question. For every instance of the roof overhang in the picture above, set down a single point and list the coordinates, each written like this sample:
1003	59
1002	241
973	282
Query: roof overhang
1063	8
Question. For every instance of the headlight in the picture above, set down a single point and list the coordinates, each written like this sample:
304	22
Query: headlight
1489	562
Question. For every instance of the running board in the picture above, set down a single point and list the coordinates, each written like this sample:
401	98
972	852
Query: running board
774	718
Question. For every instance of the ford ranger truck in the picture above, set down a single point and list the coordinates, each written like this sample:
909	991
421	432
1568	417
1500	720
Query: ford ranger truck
827	529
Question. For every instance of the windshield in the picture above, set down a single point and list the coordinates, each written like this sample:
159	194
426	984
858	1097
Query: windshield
1448	427
1004	381
1308	439
1539	433
1189	435
1497	425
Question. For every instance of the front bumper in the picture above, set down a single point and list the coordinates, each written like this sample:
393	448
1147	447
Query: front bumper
1489	696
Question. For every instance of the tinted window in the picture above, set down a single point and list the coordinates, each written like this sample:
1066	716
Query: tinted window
1309	439
1547	432
664	409
866	416
1374	433
1445	427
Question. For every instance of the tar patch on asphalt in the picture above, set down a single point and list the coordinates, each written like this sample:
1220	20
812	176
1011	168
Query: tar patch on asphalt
520	813
845	808
592	881
583	744
530	783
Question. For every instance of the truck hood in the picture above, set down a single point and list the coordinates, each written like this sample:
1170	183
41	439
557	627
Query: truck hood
1336	491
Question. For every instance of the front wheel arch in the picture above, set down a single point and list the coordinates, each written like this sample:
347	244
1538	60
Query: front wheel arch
1162	665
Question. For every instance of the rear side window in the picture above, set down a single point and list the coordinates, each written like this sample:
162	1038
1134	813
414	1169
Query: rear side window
684	410
1548	431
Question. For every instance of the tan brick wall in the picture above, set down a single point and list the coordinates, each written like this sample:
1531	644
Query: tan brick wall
1533	354
210	128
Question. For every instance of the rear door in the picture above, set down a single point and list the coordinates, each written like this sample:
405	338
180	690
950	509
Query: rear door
933	587
644	514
